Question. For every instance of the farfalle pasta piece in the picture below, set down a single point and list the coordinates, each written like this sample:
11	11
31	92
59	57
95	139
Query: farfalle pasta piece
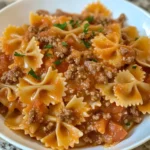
56	139
145	108
55	30
75	108
9	92
142	46
81	108
33	117
130	89
107	91
38	20
97	8
137	72
49	90
107	47
31	56
13	120
131	32
12	39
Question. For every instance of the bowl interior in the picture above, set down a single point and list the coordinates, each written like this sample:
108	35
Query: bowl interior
18	14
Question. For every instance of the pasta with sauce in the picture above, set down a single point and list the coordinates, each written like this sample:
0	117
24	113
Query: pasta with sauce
72	80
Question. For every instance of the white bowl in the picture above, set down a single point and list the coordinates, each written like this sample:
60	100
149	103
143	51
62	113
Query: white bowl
18	13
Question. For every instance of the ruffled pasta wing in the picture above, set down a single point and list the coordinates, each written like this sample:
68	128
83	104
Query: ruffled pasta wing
107	91
137	72
80	107
8	92
142	46
37	20
131	32
49	90
12	39
145	108
32	57
33	117
13	120
97	8
64	137
71	134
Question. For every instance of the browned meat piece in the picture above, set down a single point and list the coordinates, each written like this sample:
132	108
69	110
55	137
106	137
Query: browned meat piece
42	12
12	76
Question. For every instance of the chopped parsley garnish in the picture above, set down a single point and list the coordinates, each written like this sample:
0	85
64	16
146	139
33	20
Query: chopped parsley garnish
100	30
48	54
90	19
57	62
93	59
18	54
61	26
33	74
48	46
74	23
86	28
86	43
134	67
136	38
128	124
64	44
93	33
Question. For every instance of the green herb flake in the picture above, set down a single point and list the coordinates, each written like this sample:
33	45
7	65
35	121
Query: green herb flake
136	38
57	62
90	19
134	67
93	59
61	26
18	54
74	23
128	124
64	44
48	46
86	28
100	30
93	33
86	43
33	74
48	55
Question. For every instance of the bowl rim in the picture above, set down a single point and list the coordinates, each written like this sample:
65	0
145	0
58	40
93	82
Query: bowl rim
18	145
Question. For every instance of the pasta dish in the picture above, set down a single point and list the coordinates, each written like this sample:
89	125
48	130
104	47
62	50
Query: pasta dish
74	80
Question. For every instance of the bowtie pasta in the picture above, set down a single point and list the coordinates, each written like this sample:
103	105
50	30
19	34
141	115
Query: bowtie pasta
74	80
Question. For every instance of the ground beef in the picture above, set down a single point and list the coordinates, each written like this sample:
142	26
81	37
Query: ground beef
42	12
49	127
93	138
128	55
122	19
74	57
93	67
31	32
12	76
68	116
60	51
70	73
35	116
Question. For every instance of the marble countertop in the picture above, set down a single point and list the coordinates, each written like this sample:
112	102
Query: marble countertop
145	4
